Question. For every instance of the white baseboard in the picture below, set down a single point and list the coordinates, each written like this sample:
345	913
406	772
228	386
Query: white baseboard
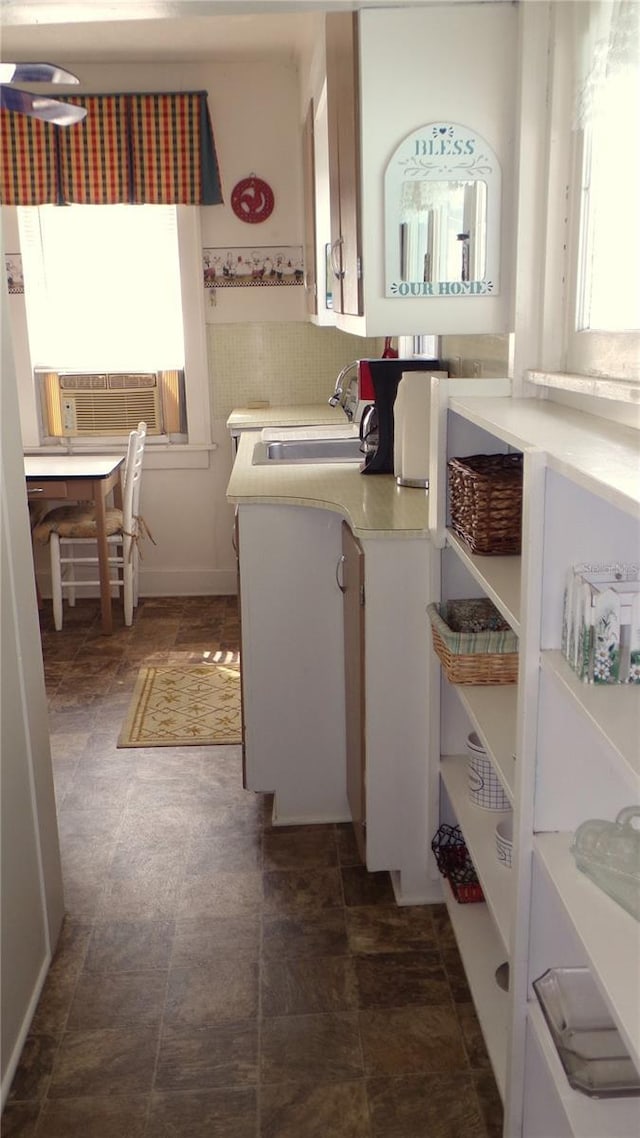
305	819
187	583
169	583
16	1052
430	893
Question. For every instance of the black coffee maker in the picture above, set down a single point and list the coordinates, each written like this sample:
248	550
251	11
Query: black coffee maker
386	375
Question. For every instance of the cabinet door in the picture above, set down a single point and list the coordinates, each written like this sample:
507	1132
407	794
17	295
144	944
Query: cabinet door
353	592
344	160
309	182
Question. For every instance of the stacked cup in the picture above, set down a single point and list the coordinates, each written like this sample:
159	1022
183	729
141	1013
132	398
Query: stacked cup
485	788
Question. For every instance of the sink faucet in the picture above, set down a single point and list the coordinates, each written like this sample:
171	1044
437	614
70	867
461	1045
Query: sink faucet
341	391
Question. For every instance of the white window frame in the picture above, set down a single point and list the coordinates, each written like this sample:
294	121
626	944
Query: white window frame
597	368
590	352
196	364
195	344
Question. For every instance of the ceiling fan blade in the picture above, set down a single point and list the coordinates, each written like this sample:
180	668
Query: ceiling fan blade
35	73
39	107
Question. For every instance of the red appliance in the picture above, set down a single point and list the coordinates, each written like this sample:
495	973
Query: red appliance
366	393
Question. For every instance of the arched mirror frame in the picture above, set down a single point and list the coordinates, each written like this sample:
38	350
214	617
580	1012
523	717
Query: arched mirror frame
444	153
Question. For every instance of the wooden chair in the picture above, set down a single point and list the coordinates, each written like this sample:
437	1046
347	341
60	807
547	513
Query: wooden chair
70	531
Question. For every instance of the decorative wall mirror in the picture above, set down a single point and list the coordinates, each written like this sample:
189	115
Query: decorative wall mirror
442	214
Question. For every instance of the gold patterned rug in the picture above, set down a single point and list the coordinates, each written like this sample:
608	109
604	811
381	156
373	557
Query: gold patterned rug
184	705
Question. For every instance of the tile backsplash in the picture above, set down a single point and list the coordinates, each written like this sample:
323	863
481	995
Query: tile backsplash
293	362
284	363
480	356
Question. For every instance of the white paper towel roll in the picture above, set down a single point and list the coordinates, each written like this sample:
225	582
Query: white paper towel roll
411	429
398	420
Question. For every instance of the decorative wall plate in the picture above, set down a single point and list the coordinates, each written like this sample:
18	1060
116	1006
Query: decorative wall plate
252	199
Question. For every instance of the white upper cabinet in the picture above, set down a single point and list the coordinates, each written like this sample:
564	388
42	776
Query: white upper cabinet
389	74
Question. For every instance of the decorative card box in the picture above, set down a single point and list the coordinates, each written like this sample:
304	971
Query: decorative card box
601	622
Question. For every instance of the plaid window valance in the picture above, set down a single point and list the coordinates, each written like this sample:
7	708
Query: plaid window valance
153	149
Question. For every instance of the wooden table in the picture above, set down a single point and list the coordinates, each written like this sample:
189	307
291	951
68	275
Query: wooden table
81	478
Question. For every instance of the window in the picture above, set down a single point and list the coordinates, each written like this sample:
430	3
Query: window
603	301
609	113
114	288
103	287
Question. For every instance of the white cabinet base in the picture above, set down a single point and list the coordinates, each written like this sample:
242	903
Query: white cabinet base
289	813
402	791
293	680
415	887
294	684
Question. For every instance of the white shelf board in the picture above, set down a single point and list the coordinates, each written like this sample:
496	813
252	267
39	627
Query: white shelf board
499	577
587	1117
492	708
613	709
478	827
610	936
482	951
601	456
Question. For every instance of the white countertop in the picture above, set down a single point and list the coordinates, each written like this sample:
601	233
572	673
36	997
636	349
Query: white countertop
300	415
371	503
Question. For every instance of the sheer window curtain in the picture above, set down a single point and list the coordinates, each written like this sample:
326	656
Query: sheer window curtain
610	53
607	112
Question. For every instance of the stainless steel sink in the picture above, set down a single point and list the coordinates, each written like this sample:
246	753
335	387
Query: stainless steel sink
308	450
314	450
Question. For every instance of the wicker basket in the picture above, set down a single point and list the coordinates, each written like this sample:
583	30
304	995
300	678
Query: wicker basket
454	863
485	492
474	644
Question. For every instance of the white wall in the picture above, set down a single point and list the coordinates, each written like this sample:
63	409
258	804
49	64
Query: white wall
32	903
254	114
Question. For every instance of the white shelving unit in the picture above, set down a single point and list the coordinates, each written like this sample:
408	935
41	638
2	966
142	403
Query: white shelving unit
498	576
478	827
569	1111
613	712
482	954
564	751
593	453
610	936
493	712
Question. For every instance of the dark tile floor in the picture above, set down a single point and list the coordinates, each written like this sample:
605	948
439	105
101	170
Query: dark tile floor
216	976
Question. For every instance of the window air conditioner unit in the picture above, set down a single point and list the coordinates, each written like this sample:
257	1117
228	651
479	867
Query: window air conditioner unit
89	404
